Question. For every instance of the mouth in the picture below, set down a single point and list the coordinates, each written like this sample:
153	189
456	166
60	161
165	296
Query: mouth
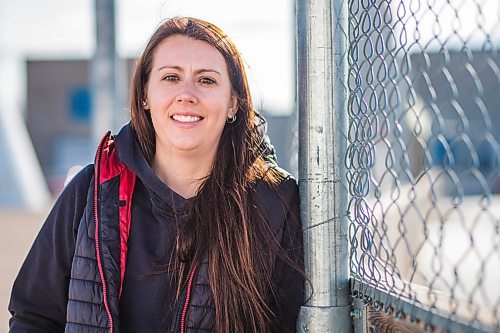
185	119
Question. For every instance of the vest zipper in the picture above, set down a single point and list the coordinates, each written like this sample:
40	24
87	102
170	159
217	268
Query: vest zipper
97	168
186	302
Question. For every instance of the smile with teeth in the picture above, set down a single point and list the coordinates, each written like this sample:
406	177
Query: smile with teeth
186	119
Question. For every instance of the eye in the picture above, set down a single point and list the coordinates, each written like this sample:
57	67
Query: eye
170	78
207	80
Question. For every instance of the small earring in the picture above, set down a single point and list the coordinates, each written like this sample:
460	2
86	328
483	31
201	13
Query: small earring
144	103
232	119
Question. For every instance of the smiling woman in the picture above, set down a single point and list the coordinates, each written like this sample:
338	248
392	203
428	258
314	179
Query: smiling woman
190	99
184	223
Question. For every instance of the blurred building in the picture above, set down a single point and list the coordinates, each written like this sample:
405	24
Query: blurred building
60	90
462	112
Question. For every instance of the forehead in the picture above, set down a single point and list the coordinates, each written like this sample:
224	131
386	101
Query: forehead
183	51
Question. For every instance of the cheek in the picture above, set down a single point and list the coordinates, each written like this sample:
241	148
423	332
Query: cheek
223	112
157	114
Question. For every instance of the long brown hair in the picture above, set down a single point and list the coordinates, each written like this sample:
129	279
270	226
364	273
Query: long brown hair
226	225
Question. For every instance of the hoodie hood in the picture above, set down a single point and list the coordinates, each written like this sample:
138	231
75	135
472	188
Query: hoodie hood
265	146
130	153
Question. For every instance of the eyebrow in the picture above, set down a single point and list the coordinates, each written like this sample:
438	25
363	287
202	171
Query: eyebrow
198	71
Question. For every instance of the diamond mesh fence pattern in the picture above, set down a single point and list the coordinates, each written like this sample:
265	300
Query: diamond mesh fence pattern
423	158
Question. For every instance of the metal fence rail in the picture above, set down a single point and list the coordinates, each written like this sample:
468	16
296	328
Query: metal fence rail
423	160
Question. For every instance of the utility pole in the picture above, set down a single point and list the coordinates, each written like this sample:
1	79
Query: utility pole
107	108
322	106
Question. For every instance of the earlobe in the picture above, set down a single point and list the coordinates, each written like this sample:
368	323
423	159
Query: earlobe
231	119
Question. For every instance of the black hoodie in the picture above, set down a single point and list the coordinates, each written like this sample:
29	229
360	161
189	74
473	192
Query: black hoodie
40	292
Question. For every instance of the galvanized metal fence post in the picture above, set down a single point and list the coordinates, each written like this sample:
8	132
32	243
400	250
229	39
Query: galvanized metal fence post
322	107
107	74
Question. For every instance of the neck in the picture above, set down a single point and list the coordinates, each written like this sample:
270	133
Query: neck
182	172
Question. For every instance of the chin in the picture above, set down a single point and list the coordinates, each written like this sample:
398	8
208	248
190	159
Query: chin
186	146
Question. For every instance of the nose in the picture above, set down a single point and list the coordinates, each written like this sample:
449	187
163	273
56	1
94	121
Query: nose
186	94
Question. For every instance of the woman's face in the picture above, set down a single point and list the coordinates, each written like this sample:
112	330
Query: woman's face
189	96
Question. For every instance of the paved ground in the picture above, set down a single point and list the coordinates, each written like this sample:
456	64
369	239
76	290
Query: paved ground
18	230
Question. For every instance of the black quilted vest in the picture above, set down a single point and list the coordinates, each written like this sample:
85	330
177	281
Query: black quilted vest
101	252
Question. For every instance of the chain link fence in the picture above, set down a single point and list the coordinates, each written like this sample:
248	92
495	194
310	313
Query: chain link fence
423	161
